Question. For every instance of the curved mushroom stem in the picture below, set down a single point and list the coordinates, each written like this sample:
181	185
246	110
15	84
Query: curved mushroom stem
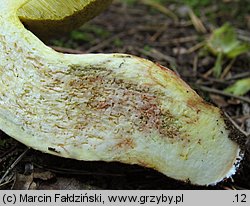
113	107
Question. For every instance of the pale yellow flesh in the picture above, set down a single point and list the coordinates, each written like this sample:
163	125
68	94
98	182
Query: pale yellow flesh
48	18
44	9
112	107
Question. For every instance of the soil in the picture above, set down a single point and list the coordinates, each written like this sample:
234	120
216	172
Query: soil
143	31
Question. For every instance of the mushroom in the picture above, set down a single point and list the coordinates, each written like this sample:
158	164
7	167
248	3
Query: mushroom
107	107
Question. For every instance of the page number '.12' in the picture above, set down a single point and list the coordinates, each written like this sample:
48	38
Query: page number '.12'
240	198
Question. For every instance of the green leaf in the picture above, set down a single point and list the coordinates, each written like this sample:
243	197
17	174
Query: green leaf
240	87
218	66
224	40
238	50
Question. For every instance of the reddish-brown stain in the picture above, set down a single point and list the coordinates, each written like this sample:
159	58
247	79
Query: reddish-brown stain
126	143
124	99
165	68
198	104
103	105
76	84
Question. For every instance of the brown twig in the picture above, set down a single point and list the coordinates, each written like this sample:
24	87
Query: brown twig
157	34
76	172
208	73
13	165
6	153
212	80
153	53
161	9
180	40
216	91
235	124
105	42
238	76
198	25
10	179
163	56
195	63
227	69
195	47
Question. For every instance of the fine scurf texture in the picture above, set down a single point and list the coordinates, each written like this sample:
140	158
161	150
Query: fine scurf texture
112	107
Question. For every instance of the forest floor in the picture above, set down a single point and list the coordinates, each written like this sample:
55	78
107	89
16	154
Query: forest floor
171	34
